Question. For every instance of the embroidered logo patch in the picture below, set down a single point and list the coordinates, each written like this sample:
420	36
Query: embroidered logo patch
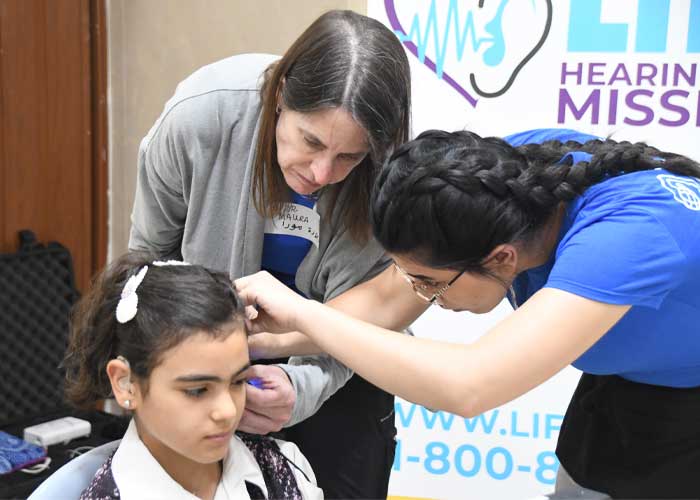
685	190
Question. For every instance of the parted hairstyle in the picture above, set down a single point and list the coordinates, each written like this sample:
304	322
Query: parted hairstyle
174	302
343	60
448	199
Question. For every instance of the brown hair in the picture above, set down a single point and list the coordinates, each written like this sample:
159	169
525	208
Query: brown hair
345	60
174	302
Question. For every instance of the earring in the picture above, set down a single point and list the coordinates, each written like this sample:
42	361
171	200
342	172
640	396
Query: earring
278	110
127	404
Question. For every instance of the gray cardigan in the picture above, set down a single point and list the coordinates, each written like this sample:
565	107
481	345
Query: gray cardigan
194	201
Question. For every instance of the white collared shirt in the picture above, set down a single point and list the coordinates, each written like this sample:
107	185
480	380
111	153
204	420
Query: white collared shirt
139	476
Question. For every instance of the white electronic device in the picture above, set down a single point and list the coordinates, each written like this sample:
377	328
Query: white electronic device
60	430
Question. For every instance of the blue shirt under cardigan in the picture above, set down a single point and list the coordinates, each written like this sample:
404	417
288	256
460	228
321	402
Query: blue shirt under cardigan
283	253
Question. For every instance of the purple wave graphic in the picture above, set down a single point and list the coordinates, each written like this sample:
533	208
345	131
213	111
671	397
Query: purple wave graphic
396	25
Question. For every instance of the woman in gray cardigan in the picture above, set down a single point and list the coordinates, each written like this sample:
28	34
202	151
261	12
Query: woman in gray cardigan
258	163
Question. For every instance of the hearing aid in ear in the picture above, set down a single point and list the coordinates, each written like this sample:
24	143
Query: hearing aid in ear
124	382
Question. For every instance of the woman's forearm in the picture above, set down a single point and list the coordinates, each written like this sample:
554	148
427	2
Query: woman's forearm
386	301
419	370
273	346
522	351
298	344
548	332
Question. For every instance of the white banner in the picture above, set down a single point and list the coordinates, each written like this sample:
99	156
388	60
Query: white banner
505	453
624	68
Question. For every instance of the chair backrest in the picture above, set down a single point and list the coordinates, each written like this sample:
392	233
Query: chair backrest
70	480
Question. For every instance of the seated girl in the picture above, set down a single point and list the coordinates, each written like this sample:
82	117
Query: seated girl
168	340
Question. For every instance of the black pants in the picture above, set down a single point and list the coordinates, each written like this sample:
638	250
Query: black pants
632	440
350	441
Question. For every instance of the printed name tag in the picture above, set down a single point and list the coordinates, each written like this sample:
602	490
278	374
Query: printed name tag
295	220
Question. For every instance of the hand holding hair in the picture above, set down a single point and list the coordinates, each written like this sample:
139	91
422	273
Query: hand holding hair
278	307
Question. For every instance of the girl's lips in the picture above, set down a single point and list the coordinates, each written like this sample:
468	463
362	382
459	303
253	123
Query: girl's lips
224	436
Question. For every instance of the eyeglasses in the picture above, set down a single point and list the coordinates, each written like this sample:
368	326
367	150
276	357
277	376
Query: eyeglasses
423	289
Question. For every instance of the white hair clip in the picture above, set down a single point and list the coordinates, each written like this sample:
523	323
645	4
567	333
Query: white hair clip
161	263
126	309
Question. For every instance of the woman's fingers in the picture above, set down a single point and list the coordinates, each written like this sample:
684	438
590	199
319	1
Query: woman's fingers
276	305
262	323
267	408
250	312
245	291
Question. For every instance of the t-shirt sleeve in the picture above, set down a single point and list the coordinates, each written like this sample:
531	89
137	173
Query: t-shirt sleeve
627	257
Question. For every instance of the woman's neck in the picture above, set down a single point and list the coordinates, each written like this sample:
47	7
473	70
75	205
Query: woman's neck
199	479
547	241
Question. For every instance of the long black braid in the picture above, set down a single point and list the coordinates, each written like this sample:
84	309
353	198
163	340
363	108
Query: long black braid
449	199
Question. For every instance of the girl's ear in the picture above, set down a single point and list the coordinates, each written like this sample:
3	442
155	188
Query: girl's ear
125	391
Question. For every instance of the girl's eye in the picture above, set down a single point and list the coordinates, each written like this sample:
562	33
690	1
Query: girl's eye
239	382
195	393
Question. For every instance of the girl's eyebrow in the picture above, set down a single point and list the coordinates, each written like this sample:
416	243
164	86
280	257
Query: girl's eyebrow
196	377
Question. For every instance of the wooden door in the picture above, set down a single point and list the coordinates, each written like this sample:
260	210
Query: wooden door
53	167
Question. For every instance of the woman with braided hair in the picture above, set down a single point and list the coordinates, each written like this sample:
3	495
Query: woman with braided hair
595	243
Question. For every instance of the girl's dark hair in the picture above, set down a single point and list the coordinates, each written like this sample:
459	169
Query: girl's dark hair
448	199
343	60
174	302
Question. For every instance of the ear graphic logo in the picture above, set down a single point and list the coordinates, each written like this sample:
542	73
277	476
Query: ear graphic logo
504	35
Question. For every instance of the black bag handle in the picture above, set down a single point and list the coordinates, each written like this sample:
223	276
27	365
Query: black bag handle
27	241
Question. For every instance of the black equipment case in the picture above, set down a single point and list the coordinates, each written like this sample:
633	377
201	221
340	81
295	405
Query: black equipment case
37	292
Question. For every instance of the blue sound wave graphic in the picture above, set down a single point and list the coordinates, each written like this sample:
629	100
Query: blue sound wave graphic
420	34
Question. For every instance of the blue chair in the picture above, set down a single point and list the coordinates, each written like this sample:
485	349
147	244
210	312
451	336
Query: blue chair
70	480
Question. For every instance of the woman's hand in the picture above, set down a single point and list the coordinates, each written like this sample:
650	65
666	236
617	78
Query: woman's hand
278	307
264	346
269	407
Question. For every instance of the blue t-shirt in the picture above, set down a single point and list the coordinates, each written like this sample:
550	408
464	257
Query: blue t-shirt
282	253
635	240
